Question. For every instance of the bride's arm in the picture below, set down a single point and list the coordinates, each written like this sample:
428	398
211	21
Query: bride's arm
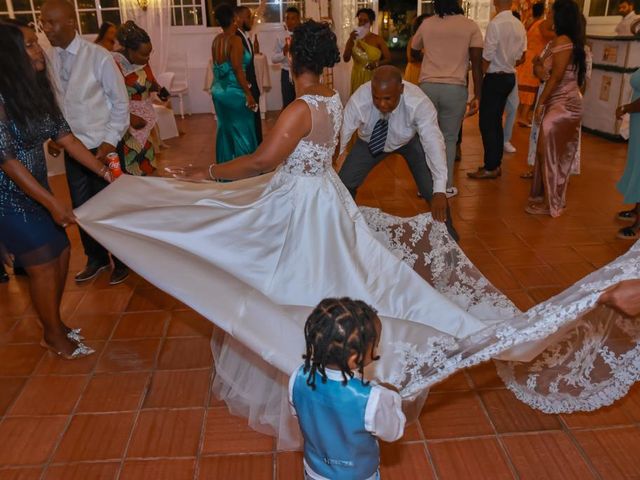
293	125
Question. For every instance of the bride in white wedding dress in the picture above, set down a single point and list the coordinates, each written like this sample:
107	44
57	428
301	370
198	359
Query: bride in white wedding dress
256	255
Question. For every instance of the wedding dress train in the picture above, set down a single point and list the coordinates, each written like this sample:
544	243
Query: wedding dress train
255	256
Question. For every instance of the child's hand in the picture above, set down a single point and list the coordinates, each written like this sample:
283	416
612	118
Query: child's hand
389	386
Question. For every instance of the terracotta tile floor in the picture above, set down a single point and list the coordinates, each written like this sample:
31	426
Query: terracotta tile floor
141	407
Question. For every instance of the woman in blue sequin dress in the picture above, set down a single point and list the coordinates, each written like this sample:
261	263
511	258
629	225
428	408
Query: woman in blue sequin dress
32	220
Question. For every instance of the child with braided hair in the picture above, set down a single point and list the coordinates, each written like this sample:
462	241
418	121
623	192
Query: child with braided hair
340	415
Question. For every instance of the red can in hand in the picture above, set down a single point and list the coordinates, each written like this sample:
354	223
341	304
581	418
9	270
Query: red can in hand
114	164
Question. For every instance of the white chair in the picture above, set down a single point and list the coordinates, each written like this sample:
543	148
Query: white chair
166	79
180	84
166	122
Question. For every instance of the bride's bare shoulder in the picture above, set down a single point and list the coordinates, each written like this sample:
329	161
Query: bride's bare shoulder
295	118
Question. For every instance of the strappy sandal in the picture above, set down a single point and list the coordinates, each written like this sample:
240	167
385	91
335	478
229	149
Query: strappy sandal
527	175
75	336
81	351
534	209
628	215
628	233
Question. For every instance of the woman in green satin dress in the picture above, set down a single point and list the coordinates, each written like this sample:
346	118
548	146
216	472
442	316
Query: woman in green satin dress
234	104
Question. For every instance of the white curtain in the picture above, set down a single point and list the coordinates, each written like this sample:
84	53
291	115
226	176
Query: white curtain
344	18
156	20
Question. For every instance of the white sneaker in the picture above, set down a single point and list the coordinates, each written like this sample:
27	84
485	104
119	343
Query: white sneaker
451	192
509	148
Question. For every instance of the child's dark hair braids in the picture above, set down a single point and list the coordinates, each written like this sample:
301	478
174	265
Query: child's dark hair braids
336	329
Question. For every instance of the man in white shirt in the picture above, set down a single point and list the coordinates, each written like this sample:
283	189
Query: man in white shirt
505	44
281	56
95	103
627	9
392	116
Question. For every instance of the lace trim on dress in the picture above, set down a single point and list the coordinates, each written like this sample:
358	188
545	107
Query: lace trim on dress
587	357
311	158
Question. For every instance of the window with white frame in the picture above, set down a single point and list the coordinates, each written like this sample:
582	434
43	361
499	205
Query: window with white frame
601	8
364	4
89	13
274	9
426	6
4	9
187	13
92	13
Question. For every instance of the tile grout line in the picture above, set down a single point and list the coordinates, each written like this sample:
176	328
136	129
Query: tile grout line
496	435
19	394
145	391
90	375
203	427
427	451
42	357
568	432
71	415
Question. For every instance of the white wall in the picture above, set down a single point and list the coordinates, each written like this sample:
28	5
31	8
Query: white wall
602	25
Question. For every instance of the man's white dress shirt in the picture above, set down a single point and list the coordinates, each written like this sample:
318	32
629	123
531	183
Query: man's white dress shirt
414	115
91	92
278	56
504	43
624	27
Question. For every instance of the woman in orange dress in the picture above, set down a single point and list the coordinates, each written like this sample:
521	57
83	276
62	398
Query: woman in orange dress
412	70
538	35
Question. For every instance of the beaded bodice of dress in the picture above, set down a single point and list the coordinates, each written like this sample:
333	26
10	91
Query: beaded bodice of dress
25	145
313	155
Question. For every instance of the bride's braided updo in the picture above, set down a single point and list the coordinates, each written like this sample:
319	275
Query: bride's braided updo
313	47
335	330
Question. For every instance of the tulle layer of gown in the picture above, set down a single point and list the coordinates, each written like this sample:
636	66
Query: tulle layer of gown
255	256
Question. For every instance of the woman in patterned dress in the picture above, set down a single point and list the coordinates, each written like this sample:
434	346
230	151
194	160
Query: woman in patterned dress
137	155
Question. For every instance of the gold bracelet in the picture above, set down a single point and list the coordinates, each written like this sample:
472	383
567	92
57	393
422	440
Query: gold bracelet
211	175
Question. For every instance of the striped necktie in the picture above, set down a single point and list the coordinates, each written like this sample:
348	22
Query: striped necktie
65	70
378	137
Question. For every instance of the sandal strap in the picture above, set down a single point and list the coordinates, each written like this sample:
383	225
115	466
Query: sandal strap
627	214
82	351
628	232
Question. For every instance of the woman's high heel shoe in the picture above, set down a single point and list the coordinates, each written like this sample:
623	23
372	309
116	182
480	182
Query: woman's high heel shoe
81	351
74	335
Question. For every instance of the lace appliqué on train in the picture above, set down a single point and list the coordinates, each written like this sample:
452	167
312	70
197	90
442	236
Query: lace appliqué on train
589	355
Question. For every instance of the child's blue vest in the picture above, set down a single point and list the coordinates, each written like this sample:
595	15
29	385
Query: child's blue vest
331	417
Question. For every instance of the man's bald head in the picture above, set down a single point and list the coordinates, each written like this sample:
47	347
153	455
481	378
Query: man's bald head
502	5
386	88
58	19
386	74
